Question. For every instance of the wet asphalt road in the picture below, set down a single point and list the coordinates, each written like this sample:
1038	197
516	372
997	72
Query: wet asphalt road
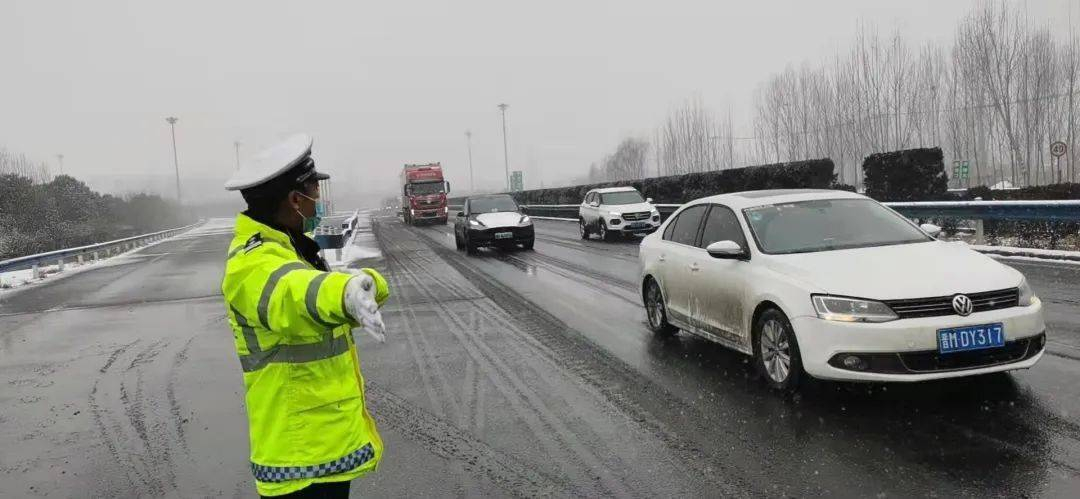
521	373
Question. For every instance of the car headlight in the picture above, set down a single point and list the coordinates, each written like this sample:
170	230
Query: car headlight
1027	295
475	223
836	308
525	220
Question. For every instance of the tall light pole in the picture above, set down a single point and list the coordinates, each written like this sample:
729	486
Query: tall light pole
506	150
176	162
236	144
60	158
468	144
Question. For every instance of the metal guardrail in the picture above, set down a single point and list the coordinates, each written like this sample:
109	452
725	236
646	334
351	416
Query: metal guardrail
978	211
991	210
92	252
967	210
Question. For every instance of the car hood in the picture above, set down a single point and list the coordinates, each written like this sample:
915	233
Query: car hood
629	208
920	270
499	219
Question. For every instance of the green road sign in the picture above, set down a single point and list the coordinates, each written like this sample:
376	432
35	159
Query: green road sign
517	181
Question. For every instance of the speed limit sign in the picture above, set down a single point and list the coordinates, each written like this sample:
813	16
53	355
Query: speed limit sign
1057	149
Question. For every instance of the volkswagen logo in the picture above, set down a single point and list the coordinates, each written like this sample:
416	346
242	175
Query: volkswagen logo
962	305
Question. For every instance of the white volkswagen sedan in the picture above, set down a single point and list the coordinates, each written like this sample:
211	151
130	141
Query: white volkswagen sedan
835	285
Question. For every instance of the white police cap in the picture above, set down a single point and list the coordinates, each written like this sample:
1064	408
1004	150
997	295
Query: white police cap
292	153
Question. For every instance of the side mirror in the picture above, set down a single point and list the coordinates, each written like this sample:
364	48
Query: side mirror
931	229
461	213
648	200
725	249
447	186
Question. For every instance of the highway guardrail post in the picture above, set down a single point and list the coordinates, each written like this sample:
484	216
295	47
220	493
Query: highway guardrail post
980	235
60	264
35	272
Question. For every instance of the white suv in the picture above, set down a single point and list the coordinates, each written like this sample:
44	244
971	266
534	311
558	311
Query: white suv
614	211
838	286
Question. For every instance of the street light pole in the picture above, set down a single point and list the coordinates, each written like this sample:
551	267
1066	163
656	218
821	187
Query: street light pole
506	150
236	144
176	162
468	143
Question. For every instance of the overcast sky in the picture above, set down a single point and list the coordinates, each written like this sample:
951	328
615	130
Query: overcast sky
384	83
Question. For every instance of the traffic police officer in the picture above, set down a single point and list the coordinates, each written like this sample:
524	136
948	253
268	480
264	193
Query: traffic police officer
292	319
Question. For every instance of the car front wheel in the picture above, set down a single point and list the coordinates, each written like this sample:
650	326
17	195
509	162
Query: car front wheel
470	246
604	233
776	351
582	228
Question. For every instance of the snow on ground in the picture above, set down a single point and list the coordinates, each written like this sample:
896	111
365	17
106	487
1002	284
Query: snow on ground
361	246
19	278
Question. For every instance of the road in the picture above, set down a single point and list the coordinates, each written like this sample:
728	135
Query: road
520	373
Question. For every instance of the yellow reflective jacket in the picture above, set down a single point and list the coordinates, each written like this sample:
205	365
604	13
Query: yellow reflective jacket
307	418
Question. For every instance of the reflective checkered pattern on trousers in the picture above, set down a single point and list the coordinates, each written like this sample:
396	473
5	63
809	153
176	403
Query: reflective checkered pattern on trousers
282	473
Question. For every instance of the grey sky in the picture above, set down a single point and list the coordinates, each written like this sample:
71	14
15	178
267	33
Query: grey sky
384	83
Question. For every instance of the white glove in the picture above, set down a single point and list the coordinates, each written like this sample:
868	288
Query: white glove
360	304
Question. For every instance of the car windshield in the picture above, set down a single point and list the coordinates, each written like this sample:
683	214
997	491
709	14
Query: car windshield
828	224
492	204
622	197
426	188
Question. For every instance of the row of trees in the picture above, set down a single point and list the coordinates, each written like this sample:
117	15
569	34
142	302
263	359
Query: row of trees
996	97
20	164
627	162
41	213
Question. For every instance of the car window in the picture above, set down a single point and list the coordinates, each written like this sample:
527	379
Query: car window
829	224
493	204
722	225
686	227
622	197
670	228
588	198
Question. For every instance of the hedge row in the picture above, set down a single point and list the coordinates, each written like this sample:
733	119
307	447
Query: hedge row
908	175
674	189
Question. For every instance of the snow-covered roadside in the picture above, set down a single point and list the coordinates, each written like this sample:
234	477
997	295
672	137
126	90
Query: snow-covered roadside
1043	255
19	278
360	246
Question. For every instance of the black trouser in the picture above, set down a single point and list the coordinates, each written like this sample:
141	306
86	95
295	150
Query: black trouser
331	490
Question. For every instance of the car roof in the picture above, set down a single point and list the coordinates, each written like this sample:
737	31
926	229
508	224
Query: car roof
607	190
750	199
490	196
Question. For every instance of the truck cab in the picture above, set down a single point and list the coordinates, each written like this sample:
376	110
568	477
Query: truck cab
423	194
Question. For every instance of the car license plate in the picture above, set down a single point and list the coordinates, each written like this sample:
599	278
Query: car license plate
959	339
638	225
504	235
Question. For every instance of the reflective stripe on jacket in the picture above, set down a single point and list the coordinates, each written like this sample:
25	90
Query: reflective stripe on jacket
304	392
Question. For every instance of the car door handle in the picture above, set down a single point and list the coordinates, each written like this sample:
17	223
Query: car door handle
694	267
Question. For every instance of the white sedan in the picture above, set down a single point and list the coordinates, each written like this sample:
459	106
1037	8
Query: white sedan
835	285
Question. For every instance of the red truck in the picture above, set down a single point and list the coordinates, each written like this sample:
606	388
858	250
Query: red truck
423	194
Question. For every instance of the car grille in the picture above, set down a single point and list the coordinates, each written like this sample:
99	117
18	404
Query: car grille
633	217
942	305
931	361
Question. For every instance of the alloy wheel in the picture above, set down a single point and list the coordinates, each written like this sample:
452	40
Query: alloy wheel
775	351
